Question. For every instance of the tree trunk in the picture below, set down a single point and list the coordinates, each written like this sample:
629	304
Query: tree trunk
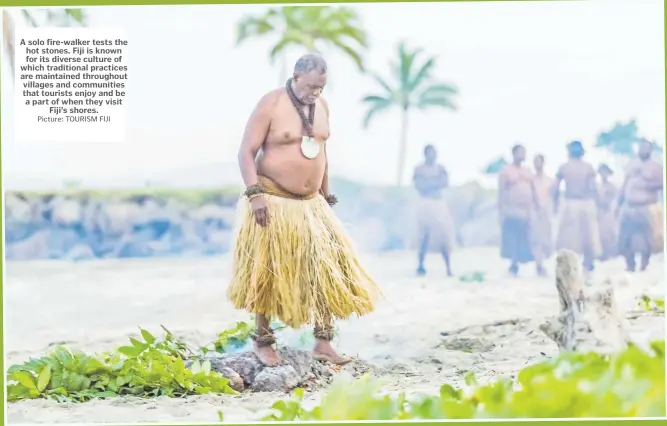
586	322
402	148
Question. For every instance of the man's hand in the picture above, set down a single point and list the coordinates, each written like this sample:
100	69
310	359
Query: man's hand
260	209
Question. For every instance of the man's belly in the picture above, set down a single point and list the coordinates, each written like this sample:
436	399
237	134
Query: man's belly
290	170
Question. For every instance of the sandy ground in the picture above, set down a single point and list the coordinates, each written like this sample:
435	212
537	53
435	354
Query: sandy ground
94	306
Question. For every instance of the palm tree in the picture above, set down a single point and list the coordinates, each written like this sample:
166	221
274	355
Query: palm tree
310	28
495	167
60	17
414	88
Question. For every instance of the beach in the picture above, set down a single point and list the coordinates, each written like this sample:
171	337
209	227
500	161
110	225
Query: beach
96	305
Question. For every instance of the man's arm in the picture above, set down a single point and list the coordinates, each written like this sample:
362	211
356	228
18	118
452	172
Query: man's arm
592	184
324	187
445	177
556	188
502	190
255	132
653	180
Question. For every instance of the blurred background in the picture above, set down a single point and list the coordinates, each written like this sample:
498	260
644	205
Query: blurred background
472	79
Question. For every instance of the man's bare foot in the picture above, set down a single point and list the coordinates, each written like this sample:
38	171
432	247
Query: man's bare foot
269	356
421	271
323	351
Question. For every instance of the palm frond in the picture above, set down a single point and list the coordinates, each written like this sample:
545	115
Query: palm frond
442	102
353	54
252	27
382	82
29	19
8	28
374	99
374	110
75	16
421	75
441	89
406	60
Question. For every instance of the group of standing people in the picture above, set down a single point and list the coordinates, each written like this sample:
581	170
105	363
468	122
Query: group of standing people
293	260
597	219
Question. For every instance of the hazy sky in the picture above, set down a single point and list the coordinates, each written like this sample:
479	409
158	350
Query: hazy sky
541	73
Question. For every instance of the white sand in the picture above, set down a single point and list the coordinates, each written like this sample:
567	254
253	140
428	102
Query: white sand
94	306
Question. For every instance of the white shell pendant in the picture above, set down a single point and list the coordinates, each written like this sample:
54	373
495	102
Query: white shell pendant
310	147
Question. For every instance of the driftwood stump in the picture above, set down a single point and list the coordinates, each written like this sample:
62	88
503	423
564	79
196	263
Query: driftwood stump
585	322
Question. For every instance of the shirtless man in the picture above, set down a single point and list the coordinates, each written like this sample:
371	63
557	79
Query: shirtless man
578	228
607	194
434	220
541	225
517	198
292	259
640	209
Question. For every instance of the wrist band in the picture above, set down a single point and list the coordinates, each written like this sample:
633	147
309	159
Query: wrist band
253	190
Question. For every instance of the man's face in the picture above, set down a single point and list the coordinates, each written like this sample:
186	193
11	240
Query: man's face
538	163
430	154
520	155
308	87
644	151
604	174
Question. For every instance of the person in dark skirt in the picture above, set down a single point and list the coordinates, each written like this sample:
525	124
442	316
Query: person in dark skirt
517	199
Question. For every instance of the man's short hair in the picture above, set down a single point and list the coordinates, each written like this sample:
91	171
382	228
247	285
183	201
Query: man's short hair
310	62
429	146
516	147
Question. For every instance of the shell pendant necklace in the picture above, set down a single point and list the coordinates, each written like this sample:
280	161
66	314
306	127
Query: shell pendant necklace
310	148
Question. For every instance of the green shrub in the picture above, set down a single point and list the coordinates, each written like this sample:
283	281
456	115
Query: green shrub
572	385
147	368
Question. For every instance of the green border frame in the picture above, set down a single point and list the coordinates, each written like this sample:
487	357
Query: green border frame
78	3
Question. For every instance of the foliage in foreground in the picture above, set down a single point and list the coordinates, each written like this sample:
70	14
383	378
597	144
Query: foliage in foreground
147	368
572	385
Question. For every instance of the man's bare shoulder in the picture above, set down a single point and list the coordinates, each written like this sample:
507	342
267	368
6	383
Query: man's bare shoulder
270	100
419	169
325	104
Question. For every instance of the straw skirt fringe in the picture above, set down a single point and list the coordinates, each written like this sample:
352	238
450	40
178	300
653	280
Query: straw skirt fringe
301	268
435	221
578	229
641	229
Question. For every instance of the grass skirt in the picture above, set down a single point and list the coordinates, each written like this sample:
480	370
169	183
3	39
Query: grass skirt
641	229
301	268
578	229
434	220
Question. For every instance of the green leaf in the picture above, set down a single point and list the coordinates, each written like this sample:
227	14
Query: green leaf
25	378
139	345
148	338
130	351
44	378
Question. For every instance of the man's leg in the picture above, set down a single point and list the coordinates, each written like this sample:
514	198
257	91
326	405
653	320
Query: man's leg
323	350
625	246
514	247
646	248
264	343
423	249
538	254
445	256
